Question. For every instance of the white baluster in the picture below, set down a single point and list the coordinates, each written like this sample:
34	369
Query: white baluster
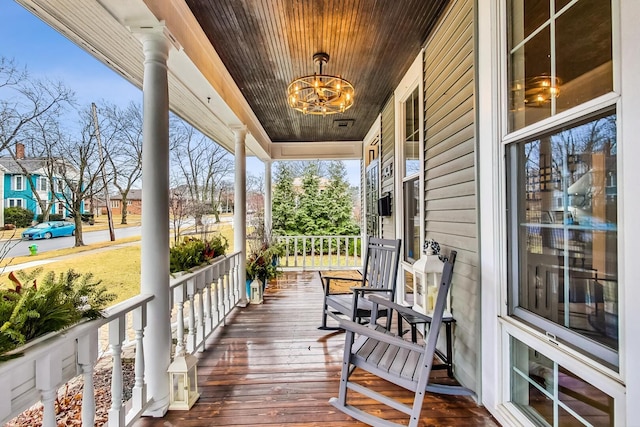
48	398
48	378
179	296
116	336
208	319
87	356
221	299
200	334
191	336
139	392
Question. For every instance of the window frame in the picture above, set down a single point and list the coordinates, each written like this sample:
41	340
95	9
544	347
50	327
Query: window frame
553	331
18	202
18	179
563	119
413	79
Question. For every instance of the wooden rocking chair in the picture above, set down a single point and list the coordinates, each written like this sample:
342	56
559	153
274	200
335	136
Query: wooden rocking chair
373	348
378	276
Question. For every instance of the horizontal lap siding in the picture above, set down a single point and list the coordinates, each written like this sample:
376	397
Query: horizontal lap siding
387	159
450	172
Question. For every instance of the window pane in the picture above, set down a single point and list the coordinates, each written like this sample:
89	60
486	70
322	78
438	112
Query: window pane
566	62
530	81
411	241
528	16
567	231
536	379
412	135
584	64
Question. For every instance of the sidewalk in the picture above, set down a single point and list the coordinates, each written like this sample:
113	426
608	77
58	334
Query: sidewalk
29	264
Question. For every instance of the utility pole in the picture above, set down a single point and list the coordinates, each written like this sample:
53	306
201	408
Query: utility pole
112	233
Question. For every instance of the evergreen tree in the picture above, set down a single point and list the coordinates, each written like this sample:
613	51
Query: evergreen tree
284	200
337	198
310	203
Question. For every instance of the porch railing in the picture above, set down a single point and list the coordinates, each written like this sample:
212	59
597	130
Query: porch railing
208	294
320	252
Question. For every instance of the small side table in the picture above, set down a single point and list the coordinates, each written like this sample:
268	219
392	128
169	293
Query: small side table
414	321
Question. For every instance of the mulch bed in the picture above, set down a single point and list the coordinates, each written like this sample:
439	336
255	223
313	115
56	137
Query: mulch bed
69	402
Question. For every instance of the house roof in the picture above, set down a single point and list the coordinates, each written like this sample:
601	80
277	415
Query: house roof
13	167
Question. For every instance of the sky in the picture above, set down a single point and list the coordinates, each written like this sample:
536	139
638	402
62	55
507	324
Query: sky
48	54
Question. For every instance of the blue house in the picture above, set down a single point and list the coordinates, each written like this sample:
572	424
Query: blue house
17	192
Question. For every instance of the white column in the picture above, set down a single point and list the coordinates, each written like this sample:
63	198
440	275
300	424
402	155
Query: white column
267	196
155	218
240	207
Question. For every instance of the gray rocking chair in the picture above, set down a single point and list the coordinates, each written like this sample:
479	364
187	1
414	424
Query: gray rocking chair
373	348
378	276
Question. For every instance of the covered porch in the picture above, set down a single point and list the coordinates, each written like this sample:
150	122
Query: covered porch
270	365
441	123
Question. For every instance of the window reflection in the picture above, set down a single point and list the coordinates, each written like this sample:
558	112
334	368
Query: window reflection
411	241
550	68
540	388
412	135
567	224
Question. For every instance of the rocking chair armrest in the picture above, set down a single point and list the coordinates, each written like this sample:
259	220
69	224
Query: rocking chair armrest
376	299
369	332
366	289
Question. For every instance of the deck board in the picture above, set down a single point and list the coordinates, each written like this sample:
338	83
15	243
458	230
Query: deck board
271	366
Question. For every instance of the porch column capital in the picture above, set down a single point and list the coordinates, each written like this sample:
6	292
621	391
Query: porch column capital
240	131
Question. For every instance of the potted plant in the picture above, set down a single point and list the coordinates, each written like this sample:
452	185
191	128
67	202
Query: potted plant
260	262
30	309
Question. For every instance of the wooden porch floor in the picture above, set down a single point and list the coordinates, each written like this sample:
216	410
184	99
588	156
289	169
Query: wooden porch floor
271	366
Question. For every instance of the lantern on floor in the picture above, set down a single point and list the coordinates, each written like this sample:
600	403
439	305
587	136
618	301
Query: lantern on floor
256	296
183	381
427	273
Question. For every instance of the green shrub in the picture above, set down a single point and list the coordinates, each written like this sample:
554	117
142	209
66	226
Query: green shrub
194	253
18	216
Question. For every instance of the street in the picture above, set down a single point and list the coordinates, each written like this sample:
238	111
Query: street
17	247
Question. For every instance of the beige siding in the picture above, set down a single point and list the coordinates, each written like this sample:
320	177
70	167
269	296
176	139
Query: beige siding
450	172
386	160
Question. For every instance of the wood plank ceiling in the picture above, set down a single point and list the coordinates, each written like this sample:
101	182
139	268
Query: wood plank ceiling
267	43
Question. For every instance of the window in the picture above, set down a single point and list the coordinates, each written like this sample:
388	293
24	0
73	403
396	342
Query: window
411	238
412	135
411	185
60	186
552	395
564	220
561	181
43	184
18	183
115	203
551	68
13	203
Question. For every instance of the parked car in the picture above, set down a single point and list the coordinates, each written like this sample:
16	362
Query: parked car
49	229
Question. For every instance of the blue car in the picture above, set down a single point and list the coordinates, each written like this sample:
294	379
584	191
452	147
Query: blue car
49	229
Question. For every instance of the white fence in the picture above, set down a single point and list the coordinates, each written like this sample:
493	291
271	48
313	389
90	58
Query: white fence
321	252
209	294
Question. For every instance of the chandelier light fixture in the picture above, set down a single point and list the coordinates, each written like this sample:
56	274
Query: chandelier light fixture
320	93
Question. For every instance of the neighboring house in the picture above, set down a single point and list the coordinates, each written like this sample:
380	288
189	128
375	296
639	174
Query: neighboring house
134	203
16	191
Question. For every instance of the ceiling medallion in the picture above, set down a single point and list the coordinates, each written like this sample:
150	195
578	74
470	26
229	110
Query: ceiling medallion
320	93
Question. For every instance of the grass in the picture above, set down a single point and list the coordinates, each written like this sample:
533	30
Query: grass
103	264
